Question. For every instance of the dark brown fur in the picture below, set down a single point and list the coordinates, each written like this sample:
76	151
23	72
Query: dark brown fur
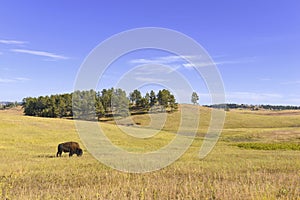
71	147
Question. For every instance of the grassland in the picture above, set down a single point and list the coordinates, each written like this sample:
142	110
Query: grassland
30	170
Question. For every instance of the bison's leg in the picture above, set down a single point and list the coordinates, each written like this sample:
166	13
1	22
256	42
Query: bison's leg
59	151
71	153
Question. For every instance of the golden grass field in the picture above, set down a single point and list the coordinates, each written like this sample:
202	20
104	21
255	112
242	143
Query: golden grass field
30	170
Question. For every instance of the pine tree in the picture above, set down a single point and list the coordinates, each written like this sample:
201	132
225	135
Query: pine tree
194	98
135	98
163	97
152	97
120	103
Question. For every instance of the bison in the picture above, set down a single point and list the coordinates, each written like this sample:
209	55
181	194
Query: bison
71	147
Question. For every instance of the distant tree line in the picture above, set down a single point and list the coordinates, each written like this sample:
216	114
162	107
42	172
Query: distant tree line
90	104
253	107
7	105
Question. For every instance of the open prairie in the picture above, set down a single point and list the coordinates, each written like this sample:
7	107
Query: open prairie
256	157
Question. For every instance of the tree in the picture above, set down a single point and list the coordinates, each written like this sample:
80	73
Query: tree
195	98
54	106
100	112
152	97
163	98
47	111
29	105
172	103
106	98
120	103
62	107
67	98
135	97
146	101
84	104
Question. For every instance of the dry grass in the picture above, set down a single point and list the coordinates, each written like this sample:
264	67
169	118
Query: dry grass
29	170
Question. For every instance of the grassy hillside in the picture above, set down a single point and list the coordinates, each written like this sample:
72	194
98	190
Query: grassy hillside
263	125
233	170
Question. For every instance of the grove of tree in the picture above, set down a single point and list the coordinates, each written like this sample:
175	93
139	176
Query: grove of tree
92	105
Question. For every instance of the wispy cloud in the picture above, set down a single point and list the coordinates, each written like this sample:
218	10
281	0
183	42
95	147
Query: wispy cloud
199	64
174	62
14	80
207	64
41	53
218	63
5	80
17	42
198	61
161	60
153	69
22	79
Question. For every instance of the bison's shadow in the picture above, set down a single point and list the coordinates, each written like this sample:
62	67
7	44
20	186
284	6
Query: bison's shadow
53	156
46	156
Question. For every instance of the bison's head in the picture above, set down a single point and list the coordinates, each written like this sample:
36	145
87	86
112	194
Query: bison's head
79	152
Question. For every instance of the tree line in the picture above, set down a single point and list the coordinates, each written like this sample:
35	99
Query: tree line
7	105
253	107
91	105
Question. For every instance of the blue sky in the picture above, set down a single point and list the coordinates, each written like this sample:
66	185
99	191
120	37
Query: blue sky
255	44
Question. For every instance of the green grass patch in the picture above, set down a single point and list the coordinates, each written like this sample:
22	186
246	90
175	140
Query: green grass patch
270	146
